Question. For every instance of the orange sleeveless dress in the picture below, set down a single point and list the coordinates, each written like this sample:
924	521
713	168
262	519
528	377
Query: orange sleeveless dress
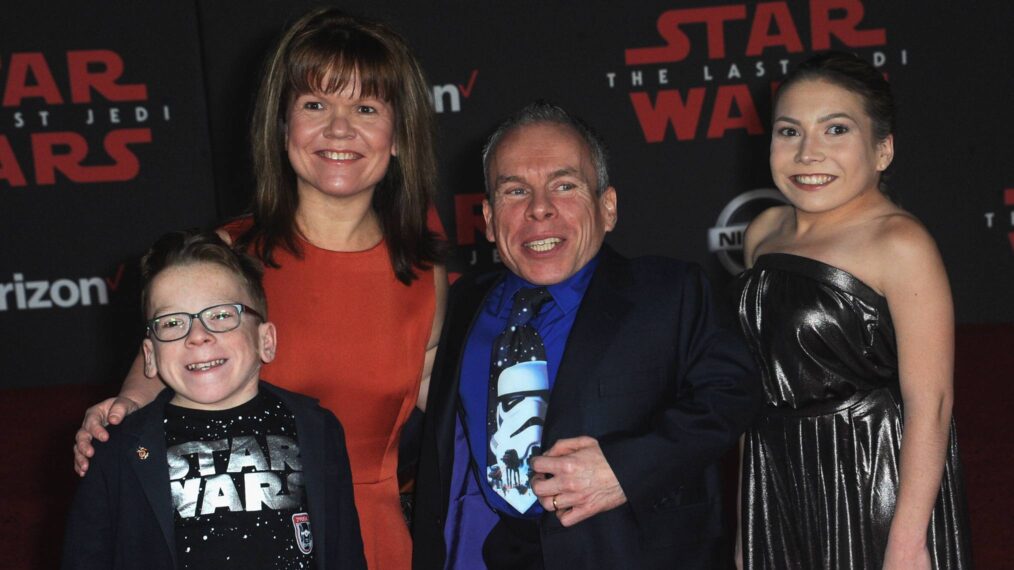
353	336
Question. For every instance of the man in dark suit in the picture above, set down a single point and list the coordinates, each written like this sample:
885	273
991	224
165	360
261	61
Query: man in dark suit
598	448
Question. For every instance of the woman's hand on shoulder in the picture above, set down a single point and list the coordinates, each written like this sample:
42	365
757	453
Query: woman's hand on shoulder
761	229
110	411
137	391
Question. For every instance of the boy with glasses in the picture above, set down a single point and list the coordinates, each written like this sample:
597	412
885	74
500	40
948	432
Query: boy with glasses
222	470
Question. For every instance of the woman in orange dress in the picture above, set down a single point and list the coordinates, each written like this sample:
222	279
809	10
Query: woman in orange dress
343	154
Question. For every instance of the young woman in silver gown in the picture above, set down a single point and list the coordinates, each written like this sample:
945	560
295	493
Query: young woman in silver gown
847	308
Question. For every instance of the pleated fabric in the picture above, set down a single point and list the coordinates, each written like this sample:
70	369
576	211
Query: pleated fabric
820	467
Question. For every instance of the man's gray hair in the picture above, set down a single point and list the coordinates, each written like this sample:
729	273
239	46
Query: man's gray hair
541	112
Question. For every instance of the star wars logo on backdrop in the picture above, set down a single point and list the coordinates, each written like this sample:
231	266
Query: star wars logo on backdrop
712	68
70	115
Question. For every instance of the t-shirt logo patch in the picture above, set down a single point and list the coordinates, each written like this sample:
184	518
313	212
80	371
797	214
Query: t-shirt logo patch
301	525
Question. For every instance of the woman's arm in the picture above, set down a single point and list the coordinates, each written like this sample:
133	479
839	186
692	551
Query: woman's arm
440	290
919	296
137	390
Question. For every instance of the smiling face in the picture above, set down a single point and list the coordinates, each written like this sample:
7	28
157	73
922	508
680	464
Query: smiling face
339	144
823	151
210	371
545	217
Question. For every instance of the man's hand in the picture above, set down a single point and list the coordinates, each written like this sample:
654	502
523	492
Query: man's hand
109	411
574	479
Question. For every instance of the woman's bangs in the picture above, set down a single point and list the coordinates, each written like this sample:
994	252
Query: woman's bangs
320	68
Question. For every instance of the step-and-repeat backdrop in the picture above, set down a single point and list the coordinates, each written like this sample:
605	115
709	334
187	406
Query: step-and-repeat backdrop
122	120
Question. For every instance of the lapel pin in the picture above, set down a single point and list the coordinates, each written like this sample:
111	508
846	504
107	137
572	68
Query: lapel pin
142	452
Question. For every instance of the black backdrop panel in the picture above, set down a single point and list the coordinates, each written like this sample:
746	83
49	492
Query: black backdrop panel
103	146
680	91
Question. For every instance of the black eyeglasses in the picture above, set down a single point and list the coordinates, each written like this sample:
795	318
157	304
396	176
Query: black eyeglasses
217	319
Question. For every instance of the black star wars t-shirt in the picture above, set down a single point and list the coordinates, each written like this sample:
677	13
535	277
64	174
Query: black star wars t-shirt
237	487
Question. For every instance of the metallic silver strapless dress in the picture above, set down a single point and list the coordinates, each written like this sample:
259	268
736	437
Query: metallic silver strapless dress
820	466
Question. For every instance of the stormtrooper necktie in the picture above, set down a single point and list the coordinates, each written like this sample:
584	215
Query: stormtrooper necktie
518	398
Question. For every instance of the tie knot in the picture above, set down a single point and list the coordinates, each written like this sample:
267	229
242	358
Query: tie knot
526	304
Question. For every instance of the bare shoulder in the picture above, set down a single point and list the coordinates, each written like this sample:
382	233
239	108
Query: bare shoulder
906	250
226	237
903	236
766	225
232	229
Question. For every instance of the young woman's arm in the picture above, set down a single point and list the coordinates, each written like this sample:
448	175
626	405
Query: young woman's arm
919	296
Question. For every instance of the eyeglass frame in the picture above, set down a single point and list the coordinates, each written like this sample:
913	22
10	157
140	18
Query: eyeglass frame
241	308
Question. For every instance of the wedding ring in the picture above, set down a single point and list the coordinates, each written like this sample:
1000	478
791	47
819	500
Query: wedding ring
555	508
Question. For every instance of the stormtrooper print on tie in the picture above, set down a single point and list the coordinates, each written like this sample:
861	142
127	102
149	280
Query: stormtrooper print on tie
518	399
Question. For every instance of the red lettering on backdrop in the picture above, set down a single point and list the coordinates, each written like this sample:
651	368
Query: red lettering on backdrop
677	46
114	281
684	114
722	119
82	80
87	70
18	87
669	108
9	168
468	217
48	161
126	166
787	36
466	91
822	27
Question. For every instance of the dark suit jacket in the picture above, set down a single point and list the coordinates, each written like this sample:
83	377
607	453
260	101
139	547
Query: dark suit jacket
122	515
650	374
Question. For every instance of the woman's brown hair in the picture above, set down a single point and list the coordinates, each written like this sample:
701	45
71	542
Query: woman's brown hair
323	51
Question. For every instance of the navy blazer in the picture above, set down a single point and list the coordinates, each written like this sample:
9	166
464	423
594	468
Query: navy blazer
649	373
122	515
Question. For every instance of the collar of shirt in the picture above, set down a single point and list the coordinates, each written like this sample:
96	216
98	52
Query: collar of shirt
567	294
